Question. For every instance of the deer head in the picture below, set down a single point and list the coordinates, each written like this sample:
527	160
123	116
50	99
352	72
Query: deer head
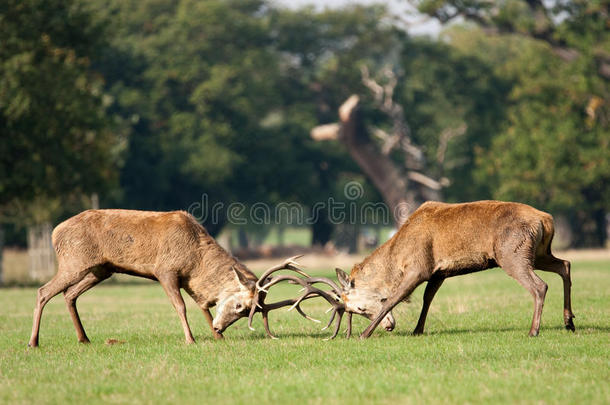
234	303
363	300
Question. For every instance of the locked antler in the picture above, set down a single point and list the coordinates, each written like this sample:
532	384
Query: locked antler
307	282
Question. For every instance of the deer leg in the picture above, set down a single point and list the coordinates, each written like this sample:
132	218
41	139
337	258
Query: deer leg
431	288
74	291
58	284
524	274
410	282
561	267
208	317
172	288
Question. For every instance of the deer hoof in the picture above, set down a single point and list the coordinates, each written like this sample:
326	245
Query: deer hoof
570	325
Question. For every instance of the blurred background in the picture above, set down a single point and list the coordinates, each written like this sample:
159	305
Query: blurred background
163	105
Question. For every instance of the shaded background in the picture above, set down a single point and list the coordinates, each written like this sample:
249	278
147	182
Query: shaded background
150	104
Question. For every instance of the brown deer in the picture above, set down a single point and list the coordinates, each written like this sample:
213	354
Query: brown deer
169	247
444	240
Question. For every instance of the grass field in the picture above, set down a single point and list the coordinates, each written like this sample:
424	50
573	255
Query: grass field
475	350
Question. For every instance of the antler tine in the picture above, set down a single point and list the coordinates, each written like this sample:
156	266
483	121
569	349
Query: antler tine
335	288
337	324
288	264
280	304
259	296
332	297
307	285
265	282
295	302
300	311
285	303
348	332
332	318
325	280
266	324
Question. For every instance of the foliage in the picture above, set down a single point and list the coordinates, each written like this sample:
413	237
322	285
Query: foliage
153	104
225	109
55	140
553	147
442	89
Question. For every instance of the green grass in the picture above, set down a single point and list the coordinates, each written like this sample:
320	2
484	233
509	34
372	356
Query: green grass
475	350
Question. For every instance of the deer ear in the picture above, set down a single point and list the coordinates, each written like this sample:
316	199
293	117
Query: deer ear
245	281
343	278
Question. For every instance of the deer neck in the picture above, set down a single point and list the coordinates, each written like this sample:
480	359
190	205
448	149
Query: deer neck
376	272
213	276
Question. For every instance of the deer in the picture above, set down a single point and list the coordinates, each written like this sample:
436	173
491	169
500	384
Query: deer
173	249
441	240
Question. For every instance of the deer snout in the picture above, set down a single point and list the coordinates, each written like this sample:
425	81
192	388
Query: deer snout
388	323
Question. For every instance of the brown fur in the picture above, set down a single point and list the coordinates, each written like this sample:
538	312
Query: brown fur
169	247
442	240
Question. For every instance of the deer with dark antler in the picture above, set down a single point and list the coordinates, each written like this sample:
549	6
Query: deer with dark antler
171	248
441	240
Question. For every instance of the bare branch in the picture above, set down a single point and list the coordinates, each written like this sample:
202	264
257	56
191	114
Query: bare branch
425	180
372	85
326	132
389	141
346	109
445	137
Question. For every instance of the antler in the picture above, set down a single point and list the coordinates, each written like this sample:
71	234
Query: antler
289	264
266	281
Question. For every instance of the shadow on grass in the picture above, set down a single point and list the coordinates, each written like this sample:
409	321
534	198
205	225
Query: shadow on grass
525	330
178	339
355	333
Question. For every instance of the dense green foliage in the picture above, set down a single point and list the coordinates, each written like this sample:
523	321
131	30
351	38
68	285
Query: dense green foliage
54	131
153	104
553	149
476	350
217	98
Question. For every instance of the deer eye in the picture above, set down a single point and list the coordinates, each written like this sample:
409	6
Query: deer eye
384	299
238	307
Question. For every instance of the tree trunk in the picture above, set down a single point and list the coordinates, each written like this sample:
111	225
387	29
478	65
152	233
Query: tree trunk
1	256
280	235
242	238
589	229
401	195
347	237
321	229
601	227
40	252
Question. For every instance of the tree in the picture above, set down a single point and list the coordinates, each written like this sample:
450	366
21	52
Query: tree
218	97
321	53
55	142
573	29
413	127
553	149
192	82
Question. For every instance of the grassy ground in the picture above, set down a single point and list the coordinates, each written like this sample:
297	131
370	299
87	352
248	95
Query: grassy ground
476	350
